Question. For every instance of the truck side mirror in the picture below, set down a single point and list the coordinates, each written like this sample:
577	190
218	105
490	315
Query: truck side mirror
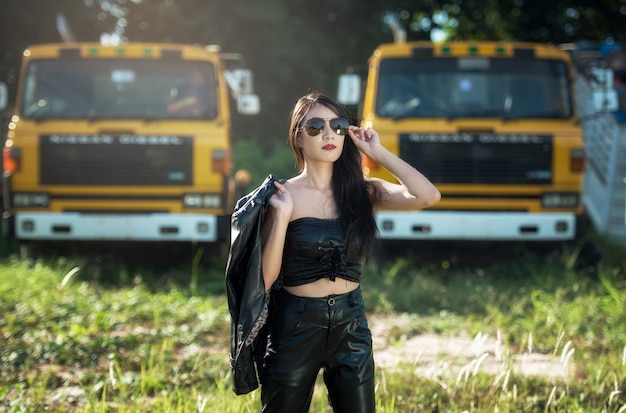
4	95
239	81
604	94
241	86
349	89
248	104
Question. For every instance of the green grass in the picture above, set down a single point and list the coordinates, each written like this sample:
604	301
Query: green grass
156	340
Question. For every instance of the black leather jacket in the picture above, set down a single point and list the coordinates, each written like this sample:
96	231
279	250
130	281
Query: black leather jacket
248	302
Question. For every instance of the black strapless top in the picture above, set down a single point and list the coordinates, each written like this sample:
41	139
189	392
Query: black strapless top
314	249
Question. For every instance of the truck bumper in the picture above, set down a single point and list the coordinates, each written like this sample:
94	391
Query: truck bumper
121	227
466	225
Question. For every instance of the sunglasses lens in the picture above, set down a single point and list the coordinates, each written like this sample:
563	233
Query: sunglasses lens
339	125
314	126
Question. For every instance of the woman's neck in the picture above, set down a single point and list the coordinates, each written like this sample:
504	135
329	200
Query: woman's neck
319	178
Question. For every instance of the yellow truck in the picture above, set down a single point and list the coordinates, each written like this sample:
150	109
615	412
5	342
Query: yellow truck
492	124
123	143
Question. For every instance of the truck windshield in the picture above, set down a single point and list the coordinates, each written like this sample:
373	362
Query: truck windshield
119	89
473	87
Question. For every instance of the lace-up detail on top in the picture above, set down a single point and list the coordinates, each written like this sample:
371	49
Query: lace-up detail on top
334	259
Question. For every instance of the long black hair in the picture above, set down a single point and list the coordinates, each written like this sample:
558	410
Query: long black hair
353	195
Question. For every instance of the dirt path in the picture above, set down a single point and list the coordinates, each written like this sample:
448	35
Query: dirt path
452	356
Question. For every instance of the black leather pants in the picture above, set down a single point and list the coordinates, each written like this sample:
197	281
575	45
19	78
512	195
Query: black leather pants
307	334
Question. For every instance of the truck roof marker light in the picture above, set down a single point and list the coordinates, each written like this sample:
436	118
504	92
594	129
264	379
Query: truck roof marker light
147	51
577	160
69	52
446	49
423	51
171	53
120	51
92	51
500	50
473	49
524	52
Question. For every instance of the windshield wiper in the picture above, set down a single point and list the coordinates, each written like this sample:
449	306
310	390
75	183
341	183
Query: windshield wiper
534	115
479	113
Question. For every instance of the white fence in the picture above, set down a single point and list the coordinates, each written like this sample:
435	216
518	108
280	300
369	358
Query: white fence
604	195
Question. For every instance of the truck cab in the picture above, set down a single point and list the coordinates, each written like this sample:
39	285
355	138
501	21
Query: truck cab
128	142
493	125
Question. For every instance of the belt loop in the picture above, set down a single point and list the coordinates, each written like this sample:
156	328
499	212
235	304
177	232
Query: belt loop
302	304
354	301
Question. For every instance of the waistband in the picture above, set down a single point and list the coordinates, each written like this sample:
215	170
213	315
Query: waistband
350	298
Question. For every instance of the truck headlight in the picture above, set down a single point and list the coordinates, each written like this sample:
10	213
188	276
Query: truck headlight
202	201
559	200
31	199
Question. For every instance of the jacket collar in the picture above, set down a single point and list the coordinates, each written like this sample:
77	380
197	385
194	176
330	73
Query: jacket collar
258	196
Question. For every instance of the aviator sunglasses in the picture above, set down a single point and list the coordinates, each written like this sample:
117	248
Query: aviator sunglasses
315	126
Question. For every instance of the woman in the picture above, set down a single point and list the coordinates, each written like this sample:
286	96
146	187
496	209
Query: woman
319	228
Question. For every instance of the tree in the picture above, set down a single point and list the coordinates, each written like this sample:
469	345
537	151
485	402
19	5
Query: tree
293	46
528	20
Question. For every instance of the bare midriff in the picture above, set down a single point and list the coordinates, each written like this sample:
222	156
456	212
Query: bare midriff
323	287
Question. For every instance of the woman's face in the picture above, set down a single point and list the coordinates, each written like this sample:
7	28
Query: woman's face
326	146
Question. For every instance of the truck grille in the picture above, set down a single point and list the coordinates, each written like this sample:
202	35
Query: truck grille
115	160
480	158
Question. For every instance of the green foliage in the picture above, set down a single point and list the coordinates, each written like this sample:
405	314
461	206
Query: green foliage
84	341
260	160
157	340
294	46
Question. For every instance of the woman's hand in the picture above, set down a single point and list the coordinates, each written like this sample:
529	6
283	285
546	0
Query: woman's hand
281	200
366	140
